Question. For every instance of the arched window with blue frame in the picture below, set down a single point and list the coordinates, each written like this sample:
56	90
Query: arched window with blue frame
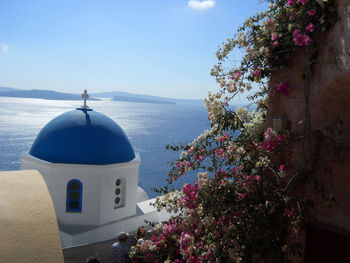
74	196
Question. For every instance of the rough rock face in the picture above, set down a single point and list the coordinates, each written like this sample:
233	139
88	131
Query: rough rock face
329	100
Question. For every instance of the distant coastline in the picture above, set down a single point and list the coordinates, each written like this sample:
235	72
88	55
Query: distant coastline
113	95
39	94
141	100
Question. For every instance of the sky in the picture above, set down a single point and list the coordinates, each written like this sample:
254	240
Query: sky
155	47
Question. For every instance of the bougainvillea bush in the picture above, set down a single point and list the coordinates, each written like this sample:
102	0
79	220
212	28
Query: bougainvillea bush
243	207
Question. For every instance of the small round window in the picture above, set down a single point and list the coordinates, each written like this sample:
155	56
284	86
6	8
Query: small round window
117	191
117	200
118	182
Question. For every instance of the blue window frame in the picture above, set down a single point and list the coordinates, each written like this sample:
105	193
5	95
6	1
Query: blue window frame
74	196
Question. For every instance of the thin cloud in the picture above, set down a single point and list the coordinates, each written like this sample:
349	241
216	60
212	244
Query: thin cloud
201	5
4	47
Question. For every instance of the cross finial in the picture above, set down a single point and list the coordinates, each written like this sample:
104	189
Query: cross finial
85	96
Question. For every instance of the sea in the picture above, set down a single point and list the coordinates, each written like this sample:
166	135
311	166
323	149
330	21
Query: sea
149	127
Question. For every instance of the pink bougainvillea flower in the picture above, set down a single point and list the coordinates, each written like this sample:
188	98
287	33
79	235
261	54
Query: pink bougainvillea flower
283	88
207	256
299	39
307	40
200	158
312	12
272	141
275	43
282	168
290	2
219	152
270	24
256	72
310	28
296	32
274	36
190	192
236	75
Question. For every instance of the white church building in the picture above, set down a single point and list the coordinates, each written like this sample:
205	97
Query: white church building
91	171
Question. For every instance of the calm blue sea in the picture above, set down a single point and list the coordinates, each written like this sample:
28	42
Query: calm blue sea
150	127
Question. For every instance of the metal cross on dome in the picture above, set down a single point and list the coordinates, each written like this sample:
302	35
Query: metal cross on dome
85	96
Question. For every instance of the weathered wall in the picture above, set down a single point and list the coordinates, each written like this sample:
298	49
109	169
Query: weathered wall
29	230
329	101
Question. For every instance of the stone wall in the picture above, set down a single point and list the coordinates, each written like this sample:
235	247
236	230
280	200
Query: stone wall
329	101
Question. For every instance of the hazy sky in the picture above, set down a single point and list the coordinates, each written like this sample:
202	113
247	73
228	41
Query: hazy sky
155	47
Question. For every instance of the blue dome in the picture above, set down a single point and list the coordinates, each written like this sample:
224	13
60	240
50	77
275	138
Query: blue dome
82	136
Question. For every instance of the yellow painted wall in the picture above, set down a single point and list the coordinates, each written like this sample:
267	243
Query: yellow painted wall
28	225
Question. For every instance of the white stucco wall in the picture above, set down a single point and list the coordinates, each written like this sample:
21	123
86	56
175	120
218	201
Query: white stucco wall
98	189
66	239
99	220
141	195
128	172
110	230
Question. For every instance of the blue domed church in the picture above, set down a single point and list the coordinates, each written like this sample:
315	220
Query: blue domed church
91	171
